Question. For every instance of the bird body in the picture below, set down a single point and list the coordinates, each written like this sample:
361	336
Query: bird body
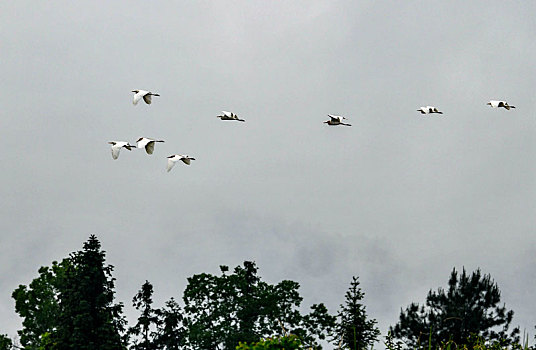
336	120
139	94
229	116
499	104
429	110
117	145
174	158
147	143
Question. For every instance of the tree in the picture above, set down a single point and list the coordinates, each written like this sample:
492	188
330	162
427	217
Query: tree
171	334
221	311
149	317
469	310
290	342
353	328
37	304
5	342
88	318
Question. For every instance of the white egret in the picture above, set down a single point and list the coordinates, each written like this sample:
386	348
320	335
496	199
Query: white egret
336	120
146	95
229	116
498	104
117	145
147	143
429	110
174	158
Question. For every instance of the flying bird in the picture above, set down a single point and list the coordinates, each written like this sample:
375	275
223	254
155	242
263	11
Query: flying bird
146	95
336	120
174	158
117	145
429	110
498	104
229	116
147	143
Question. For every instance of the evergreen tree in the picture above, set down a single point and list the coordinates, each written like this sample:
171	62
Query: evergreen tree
88	319
146	321
353	329
171	334
467	312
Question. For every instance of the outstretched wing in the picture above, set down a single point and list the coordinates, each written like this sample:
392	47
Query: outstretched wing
170	164
147	98
149	147
137	98
115	152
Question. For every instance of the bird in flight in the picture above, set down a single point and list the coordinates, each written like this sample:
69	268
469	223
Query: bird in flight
117	145
336	120
429	110
229	116
147	143
498	104
139	94
174	158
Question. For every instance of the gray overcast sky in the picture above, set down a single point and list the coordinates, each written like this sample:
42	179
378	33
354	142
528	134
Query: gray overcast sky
399	199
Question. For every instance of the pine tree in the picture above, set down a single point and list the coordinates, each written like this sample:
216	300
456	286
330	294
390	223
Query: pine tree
466	313
88	318
147	321
353	328
171	333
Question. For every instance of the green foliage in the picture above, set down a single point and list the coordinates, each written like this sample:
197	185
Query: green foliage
37	304
221	311
171	334
87	318
290	342
353	327
143	301
468	310
5	342
46	341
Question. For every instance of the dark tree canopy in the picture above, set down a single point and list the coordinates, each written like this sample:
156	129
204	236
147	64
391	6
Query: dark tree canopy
221	311
354	330
144	331
469	309
88	318
5	342
37	304
171	333
290	342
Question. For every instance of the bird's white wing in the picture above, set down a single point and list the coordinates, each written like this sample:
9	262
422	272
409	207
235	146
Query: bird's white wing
186	160
115	151
147	98
149	147
227	114
137	98
170	164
